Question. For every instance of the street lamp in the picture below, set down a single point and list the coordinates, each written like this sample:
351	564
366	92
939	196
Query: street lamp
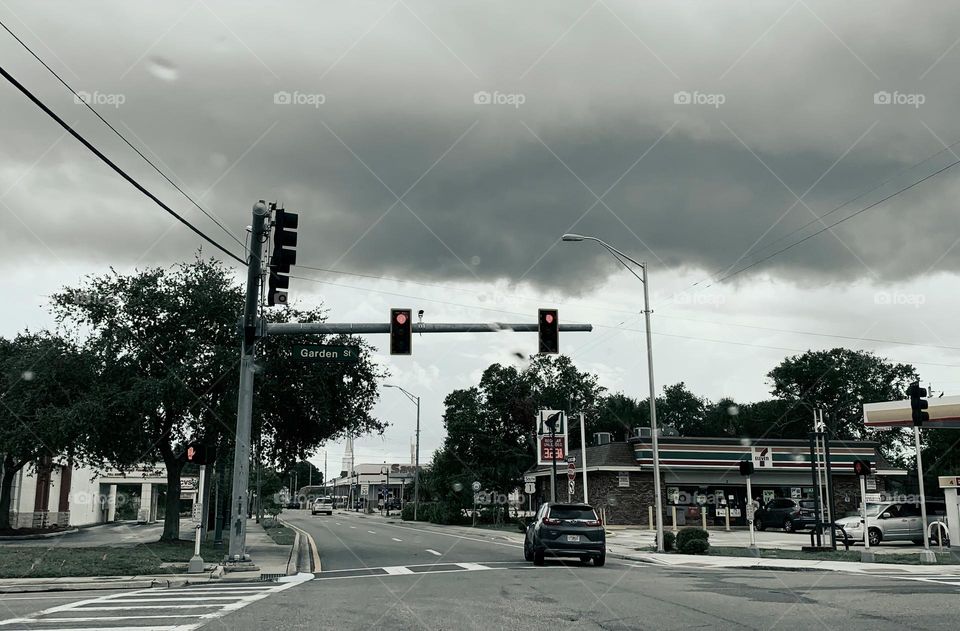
620	256
416	457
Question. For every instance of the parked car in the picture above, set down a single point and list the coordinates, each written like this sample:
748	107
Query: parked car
293	505
789	514
322	505
565	530
893	521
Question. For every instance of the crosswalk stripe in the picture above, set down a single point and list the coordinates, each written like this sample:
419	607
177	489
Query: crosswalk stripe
434	552
473	566
398	570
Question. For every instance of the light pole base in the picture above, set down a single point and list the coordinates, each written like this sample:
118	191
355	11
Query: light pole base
928	557
196	564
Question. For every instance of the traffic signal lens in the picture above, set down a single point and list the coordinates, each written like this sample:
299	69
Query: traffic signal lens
548	318
401	332
548	329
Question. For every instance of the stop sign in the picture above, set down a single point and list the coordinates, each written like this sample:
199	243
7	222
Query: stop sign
571	471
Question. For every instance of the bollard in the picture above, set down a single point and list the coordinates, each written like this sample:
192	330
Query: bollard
703	518
650	517
726	518
673	509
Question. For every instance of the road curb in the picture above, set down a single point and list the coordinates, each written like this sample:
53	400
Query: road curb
134	583
45	535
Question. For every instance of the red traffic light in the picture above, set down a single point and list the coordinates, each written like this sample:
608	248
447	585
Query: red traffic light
401	331
548	318
401	318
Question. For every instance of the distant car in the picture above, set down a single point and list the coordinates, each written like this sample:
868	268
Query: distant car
322	505
894	521
293	505
565	530
789	514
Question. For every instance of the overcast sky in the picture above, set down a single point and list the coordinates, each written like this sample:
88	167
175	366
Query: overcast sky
437	151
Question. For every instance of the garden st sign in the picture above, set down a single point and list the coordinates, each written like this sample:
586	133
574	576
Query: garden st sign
327	353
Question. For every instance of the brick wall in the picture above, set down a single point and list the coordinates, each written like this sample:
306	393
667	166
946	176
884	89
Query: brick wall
622	505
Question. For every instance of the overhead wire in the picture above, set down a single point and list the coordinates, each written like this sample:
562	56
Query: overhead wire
36	101
80	99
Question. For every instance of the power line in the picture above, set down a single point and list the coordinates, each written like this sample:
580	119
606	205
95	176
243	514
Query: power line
112	165
117	132
838	222
875	187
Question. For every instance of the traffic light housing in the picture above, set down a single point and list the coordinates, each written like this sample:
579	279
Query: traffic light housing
861	467
284	255
401	331
918	404
200	454
548	330
746	467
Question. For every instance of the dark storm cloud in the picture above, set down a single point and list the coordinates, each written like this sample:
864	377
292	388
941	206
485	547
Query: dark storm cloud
382	100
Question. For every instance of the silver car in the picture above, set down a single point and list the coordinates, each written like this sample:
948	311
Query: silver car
893	521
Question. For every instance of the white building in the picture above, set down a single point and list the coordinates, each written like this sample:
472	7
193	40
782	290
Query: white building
53	494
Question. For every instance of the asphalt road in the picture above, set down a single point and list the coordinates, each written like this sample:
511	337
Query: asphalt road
378	575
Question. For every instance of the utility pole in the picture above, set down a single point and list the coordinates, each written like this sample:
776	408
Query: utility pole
241	459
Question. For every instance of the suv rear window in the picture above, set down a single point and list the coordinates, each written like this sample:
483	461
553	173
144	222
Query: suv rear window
572	512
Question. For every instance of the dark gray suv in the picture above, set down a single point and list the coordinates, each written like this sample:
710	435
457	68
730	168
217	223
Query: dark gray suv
566	530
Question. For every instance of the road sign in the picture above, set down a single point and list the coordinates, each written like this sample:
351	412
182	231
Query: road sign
475	486
570	486
327	353
530	488
571	471
195	514
364	490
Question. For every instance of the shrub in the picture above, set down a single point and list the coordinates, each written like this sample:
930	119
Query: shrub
407	513
691	534
447	513
695	546
669	539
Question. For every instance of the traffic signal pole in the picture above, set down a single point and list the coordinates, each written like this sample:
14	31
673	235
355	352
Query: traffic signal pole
241	460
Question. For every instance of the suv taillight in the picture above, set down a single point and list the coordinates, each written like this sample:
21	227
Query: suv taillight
593	522
549	521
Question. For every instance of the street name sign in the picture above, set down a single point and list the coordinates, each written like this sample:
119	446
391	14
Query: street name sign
327	353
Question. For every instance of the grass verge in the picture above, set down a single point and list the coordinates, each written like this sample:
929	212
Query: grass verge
59	561
280	534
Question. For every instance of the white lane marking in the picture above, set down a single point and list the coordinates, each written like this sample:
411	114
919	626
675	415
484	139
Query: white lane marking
434	552
371	532
447	534
399	569
108	618
395	539
338	523
164	628
353	526
473	566
105	603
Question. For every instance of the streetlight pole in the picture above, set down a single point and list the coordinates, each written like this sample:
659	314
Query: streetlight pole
654	439
416	456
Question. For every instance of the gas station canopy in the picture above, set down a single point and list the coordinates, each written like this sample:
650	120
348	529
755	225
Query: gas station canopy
944	412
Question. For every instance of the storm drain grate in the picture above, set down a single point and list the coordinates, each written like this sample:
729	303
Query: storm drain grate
264	578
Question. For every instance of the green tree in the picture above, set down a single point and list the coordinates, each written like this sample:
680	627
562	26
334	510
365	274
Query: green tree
840	381
167	340
45	408
618	414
